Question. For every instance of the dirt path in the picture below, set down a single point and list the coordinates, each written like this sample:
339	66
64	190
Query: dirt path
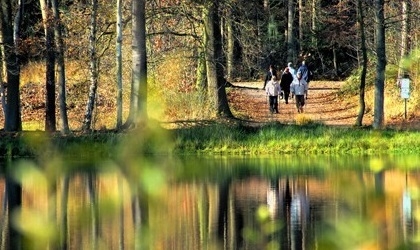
248	101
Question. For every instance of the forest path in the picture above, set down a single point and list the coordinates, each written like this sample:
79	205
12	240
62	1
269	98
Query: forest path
248	102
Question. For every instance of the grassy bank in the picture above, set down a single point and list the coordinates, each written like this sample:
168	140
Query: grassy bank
272	139
275	139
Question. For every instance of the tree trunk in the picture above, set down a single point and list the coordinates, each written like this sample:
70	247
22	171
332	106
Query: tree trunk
10	32
291	47
87	122
314	22
230	64
142	61
359	120
50	124
201	83
3	95
214	59
3	74
138	98
60	68
300	11
119	63
378	119
405	31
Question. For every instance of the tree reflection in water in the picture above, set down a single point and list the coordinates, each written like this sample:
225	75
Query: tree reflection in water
223	207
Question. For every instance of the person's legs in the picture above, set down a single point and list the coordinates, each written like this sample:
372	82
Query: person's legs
276	104
271	103
286	96
300	102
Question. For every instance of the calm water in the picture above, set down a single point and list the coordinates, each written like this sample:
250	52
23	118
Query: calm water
220	203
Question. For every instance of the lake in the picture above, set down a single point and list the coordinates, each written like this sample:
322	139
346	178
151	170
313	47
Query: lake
216	202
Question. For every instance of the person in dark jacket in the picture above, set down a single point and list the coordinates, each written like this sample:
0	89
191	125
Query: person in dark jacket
285	81
270	73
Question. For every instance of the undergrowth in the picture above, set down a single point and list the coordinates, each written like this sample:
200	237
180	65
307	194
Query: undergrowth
395	107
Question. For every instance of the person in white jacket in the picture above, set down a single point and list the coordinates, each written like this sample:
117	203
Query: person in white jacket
272	89
299	89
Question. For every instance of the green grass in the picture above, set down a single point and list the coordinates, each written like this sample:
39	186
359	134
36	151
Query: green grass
221	139
278	139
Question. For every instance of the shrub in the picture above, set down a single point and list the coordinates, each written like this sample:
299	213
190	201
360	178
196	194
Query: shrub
172	91
302	119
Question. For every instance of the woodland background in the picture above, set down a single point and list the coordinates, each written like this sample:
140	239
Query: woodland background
101	62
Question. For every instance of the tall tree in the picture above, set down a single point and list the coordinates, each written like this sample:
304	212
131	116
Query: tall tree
60	67
405	33
291	45
301	20
138	97
314	21
230	40
214	59
10	34
87	122
50	124
360	18
378	119
201	83
3	74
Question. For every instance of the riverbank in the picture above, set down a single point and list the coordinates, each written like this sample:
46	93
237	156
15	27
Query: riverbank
271	139
278	139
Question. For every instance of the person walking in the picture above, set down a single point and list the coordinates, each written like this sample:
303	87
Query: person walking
270	73
306	74
299	89
272	90
291	69
285	82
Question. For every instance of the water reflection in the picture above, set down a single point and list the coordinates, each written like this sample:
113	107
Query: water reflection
219	203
